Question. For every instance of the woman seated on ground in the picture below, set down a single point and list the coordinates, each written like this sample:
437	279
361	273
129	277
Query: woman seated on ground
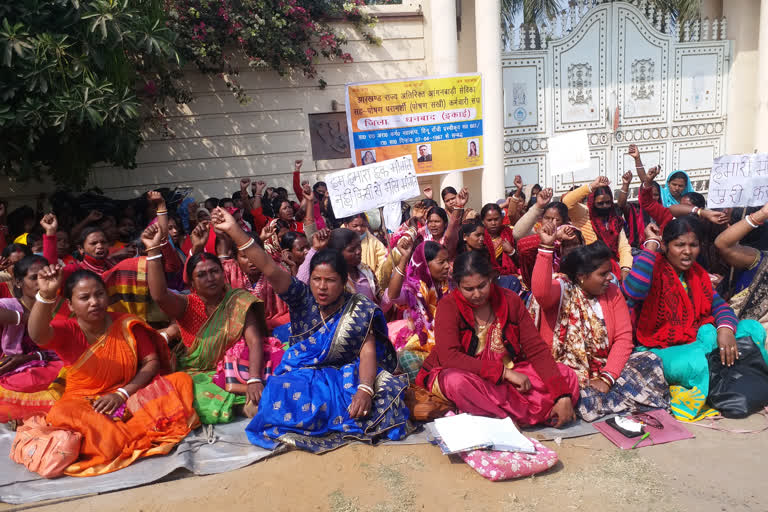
347	243
472	237
415	288
528	223
12	254
28	375
374	253
335	383
489	358
450	196
294	248
120	394
680	317
215	321
600	219
744	245
567	237
586	320
500	247
678	184
283	208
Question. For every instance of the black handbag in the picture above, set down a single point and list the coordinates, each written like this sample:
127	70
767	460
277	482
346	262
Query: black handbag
742	389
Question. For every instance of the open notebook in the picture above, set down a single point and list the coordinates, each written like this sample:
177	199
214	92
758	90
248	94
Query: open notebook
464	432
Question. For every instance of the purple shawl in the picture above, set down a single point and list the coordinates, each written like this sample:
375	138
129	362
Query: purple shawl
12	338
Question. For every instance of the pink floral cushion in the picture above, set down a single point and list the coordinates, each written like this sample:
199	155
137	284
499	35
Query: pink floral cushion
497	466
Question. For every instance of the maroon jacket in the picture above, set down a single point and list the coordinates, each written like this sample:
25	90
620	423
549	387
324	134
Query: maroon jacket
520	334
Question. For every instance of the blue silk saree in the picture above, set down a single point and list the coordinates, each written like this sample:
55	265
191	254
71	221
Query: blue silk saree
304	403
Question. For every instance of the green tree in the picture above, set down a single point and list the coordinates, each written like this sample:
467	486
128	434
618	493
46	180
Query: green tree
79	79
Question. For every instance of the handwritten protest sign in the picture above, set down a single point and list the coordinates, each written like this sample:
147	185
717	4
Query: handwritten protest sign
568	153
369	186
438	120
738	180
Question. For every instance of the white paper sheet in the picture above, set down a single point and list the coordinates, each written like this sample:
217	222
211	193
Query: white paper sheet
465	432
568	153
370	186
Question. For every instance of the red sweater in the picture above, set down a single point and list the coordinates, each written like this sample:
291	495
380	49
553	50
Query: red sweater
615	312
448	351
260	220
655	209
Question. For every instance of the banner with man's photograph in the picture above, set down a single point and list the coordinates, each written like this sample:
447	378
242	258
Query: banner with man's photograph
438	121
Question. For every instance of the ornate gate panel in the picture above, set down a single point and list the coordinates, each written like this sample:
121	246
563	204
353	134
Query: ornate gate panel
628	74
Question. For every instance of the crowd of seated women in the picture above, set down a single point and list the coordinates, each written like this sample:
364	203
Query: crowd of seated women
165	314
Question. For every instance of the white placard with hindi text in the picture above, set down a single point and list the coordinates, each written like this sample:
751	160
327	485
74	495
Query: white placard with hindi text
367	187
738	180
568	153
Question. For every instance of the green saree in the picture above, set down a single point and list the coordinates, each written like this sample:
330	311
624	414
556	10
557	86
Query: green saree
206	341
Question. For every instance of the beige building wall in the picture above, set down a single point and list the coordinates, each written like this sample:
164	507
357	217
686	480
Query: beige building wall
743	28
217	140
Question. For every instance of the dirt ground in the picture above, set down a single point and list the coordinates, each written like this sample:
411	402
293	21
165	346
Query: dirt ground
717	472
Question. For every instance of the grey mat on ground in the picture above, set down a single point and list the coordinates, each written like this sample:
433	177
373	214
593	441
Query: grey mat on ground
578	428
229	451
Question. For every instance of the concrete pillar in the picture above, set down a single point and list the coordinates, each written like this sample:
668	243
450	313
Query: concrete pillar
445	61
761	119
743	28
488	36
712	9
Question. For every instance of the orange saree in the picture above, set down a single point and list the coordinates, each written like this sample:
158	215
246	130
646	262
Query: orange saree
161	414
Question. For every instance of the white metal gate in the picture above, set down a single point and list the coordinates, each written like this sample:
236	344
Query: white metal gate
668	82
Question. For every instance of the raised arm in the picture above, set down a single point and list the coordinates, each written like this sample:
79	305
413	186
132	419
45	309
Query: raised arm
92	217
655	209
49	281
405	247
157	199
308	202
621	201
454	223
298	187
524	226
544	288
172	304
635	154
199	237
277	276
727	242
637	283
575	197
50	225
518	182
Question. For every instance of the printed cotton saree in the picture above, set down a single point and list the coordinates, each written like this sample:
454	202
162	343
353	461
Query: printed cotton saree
34	386
305	402
751	301
206	341
158	416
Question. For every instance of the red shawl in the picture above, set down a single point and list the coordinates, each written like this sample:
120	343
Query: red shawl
527	250
609	231
504	264
511	329
670	315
